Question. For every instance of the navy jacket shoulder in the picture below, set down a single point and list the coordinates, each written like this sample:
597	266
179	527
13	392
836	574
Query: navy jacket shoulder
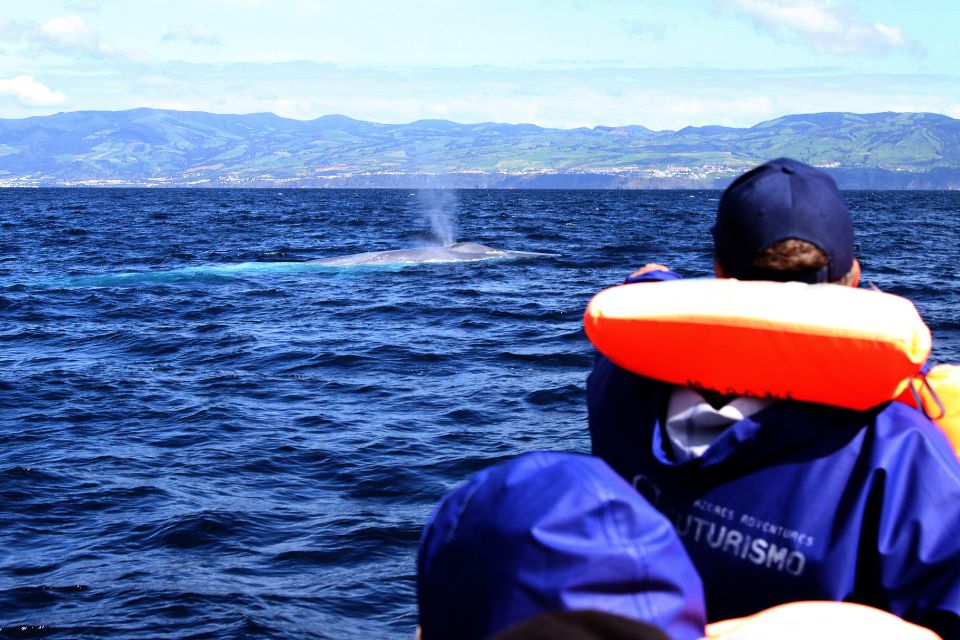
798	502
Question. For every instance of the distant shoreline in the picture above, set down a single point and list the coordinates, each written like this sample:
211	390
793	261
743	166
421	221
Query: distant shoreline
867	180
147	148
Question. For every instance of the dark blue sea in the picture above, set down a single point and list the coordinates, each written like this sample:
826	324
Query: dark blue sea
204	437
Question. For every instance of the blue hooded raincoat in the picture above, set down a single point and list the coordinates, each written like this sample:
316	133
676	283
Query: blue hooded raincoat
799	501
551	532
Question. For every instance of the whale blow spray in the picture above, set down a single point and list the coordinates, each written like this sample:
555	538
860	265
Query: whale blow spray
439	207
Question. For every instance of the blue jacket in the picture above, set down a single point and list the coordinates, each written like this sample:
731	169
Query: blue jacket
799	501
551	532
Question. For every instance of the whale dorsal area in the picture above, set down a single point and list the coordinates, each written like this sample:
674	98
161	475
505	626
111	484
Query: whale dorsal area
470	247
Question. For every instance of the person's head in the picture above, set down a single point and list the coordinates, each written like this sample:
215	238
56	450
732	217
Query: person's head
551	532
785	221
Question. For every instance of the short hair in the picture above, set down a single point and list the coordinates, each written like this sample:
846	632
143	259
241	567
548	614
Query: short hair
791	255
797	255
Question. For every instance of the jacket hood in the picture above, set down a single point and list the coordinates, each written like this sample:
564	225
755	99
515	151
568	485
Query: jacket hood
551	532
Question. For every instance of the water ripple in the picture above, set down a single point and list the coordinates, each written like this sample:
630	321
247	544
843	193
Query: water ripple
206	437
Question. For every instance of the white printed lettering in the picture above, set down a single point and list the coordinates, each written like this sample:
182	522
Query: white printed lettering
758	551
716	542
796	562
734	538
776	556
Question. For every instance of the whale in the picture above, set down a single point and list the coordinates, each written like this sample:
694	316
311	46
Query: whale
456	252
392	259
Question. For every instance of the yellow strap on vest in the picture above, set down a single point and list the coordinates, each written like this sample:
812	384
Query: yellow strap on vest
939	392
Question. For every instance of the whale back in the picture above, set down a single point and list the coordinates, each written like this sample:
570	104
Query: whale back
469	247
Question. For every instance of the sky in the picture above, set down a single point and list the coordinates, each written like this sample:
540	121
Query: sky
663	64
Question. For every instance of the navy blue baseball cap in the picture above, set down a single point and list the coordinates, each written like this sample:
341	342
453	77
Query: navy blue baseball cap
779	200
551	532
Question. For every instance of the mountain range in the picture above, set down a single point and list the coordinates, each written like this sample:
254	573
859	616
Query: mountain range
152	147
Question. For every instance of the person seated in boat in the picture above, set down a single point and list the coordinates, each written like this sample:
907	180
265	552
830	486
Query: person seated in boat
550	532
778	500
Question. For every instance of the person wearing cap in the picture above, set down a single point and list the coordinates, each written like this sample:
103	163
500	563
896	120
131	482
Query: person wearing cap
552	532
780	501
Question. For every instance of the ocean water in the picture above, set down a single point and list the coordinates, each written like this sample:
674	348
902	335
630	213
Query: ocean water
203	436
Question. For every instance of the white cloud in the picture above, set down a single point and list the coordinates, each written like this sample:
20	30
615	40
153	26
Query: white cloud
824	25
31	93
197	34
668	98
73	36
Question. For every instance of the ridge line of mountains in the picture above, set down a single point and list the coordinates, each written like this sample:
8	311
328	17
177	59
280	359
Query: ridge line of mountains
153	147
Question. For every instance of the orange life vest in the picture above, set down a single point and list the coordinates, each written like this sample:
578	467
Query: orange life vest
831	344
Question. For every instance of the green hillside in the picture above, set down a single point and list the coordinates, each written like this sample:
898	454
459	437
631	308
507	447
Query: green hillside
145	147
